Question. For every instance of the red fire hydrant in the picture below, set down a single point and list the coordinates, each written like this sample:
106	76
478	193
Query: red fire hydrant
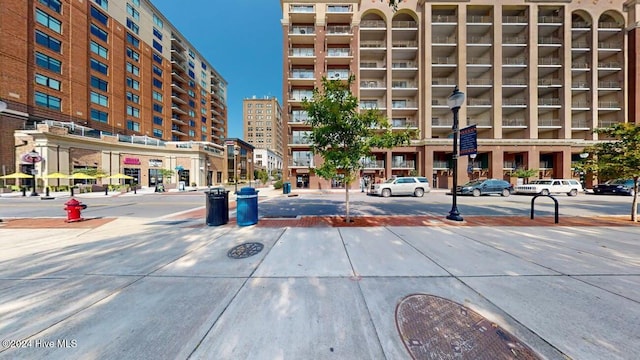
73	208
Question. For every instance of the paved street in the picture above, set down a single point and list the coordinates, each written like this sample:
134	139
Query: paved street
140	288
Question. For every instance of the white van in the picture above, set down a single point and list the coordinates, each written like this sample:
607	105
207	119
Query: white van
570	187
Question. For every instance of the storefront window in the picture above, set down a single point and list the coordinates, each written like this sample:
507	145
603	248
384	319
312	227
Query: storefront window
133	172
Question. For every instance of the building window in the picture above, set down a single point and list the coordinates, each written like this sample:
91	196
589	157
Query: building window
157	107
49	63
132	125
157	45
99	49
157	96
191	74
133	55
192	103
49	21
99	67
135	2
192	54
99	84
48	41
157	120
204	66
133	97
157	83
99	33
98	15
103	4
157	21
157	33
134	84
47	81
48	101
192	114
191	93
133	26
203	119
192	123
157	70
157	133
133	69
99	99
100	116
192	133
157	58
133	40
133	111
133	12
54	5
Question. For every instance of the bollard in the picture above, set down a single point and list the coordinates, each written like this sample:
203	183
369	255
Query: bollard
71	190
556	219
24	191
46	191
106	189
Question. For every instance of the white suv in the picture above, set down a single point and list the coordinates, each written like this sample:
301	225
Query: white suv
570	187
412	185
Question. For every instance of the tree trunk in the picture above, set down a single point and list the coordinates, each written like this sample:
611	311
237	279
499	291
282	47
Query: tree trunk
346	188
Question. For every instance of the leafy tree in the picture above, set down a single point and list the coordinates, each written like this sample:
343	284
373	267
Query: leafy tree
342	135
99	173
166	173
525	174
618	158
261	174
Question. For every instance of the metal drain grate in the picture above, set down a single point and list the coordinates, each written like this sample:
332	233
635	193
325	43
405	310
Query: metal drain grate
245	250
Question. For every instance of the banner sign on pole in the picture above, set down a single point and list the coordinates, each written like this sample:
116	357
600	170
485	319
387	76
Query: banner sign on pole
468	140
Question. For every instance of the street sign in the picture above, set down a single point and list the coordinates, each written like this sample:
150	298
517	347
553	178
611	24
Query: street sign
468	140
31	158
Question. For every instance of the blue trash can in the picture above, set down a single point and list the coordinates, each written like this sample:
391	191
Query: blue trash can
247	206
286	187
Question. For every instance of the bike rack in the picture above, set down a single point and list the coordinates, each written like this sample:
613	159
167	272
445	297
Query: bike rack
552	198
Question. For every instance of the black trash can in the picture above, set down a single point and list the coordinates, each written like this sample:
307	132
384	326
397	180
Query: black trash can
217	206
247	206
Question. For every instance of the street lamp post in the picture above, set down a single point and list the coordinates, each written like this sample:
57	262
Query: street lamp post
583	173
455	100
34	158
473	165
235	167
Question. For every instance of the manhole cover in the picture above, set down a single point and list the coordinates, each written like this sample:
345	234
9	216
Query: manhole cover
245	250
435	328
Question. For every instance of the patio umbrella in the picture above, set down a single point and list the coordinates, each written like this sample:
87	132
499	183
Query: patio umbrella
81	176
17	175
120	176
56	175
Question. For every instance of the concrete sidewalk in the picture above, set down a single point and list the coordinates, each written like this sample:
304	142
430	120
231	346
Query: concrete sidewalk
166	289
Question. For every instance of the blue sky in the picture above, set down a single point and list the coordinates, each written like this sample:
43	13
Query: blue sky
242	39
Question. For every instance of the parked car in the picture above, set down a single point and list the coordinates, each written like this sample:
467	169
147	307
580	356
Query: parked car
410	185
570	187
486	187
617	186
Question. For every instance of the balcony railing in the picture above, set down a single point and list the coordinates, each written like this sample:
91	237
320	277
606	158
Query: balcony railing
444	19
300	139
338	29
514	122
303	52
549	61
402	104
368	105
404	24
444	60
580	85
443	39
301	8
302	30
404	44
443	81
299	116
580	104
479	102
514	81
549	122
515	40
580	124
372	44
480	81
608	123
514	102
373	164
301	162
404	164
550	82
341	9
403	85
549	102
609	84
550	20
608	104
440	164
479	19
372	65
580	25
403	123
520	60
514	19
338	52
609	25
372	24
479	40
404	65
371	84
299	74
609	65
549	40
